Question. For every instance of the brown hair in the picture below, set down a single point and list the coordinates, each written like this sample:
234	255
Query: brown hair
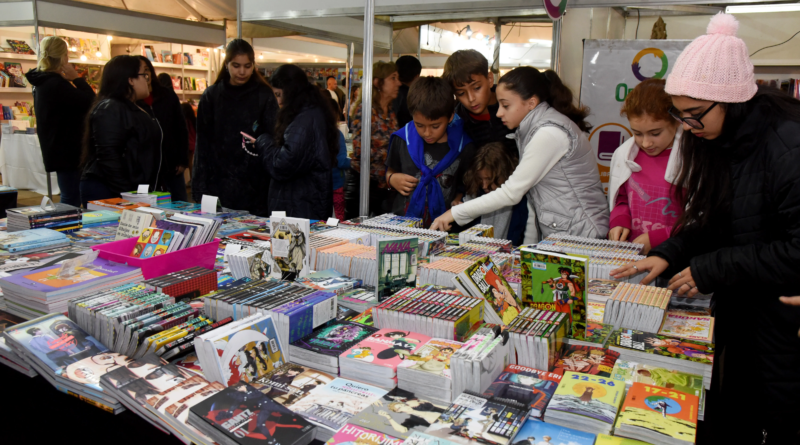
493	158
648	98
431	97
237	47
462	64
380	70
527	82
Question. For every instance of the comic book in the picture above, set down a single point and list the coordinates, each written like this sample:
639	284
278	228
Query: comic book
473	417
595	311
290	383
331	281
397	265
365	318
555	282
386	348
600	290
334	404
417	438
604	439
526	385
660	345
649	413
668	378
582	398
483	279
351	435
289	247
433	357
690	325
587	360
591	333
536	433
399	413
335	338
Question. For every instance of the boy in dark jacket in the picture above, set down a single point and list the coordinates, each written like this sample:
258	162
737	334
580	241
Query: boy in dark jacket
428	157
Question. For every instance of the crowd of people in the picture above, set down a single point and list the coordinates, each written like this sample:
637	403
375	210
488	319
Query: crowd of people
709	182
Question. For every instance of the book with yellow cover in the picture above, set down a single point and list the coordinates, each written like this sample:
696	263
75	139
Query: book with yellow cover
658	415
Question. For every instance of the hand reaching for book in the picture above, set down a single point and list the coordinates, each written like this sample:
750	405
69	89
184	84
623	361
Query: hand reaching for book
619	233
791	301
644	239
654	265
684	283
443	222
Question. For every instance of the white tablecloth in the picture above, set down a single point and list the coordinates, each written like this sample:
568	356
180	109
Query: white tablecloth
21	164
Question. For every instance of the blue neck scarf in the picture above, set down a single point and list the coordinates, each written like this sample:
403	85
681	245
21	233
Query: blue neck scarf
428	190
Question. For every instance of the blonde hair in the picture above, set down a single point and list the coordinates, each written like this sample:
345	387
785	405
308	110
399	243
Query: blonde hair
53	49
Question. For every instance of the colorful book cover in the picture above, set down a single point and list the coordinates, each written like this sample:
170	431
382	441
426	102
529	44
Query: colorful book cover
365	318
20	47
29	237
554	282
99	216
47	280
587	360
688	325
330	280
588	395
399	413
249	352
661	411
332	340
291	383
433	357
289	247
180	409
526	385
623	371
152	242
472	418
397	265
595	311
604	439
668	378
334	404
355	435
387	347
691	350
245	416
540	433
592	332
485	276
118	203
600	290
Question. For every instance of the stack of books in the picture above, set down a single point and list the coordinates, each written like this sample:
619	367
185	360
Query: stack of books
632	372
7	356
554	434
394	420
186	284
482	358
430	313
526	385
132	223
99	218
474	418
638	307
587	360
374	360
114	204
430	242
59	217
442	272
179	207
33	240
483	279
250	261
330	281
658	415
359	299
586	402
474	253
154	199
478	230
537	337
691	325
321	349
427	370
390	219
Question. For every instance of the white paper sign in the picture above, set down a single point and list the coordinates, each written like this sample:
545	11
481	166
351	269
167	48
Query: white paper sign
47	203
209	204
231	249
278	214
143	189
333	222
68	267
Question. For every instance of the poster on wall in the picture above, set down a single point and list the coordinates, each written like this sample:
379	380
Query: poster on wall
612	68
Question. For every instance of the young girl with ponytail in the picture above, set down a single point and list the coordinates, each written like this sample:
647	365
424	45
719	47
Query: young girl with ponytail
557	171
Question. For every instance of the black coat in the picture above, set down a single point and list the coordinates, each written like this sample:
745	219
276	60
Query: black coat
61	117
126	143
400	105
301	185
484	132
221	167
750	257
175	146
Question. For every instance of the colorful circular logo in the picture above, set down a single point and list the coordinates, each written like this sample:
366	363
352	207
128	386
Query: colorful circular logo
663	404
657	53
555	11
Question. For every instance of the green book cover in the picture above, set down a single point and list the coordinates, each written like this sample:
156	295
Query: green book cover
485	278
397	265
555	282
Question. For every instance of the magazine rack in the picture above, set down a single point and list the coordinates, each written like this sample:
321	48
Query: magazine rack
119	251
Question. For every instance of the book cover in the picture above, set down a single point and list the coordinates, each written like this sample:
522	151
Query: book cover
16	74
116	203
433	357
397	265
355	435
691	350
29	237
179	207
540	433
623	371
334	404
246	416
554	282
387	347
592	332
689	325
661	411
604	439
399	413
289	248
600	290
587	360
20	47
99	216
595	311
588	395
365	318
249	352
180	409
47	280
417	438
472	417
332	340
668	378
526	385
291	383
485	276
330	280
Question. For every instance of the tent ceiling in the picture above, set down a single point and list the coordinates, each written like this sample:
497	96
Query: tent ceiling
208	9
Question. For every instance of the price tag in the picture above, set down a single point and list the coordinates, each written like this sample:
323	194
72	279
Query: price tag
68	267
231	249
143	189
278	214
333	222
47	203
209	204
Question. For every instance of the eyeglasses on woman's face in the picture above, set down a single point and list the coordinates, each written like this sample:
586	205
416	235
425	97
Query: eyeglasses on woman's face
146	75
692	121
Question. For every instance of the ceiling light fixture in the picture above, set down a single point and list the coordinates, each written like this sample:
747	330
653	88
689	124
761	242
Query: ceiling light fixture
261	56
73	49
98	53
479	36
110	38
290	60
83	58
752	9
469	31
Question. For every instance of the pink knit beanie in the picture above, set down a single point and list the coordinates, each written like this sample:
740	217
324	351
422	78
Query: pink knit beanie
715	66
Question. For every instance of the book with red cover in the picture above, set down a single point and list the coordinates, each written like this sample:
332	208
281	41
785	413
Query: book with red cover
526	385
587	360
654	414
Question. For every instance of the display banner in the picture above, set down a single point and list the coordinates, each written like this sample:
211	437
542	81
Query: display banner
612	68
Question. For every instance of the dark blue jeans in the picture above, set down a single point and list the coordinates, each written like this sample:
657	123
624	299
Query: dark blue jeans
93	190
69	181
177	188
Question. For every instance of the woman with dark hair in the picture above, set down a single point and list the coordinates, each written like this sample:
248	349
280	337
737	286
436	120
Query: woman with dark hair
739	236
239	101
175	146
303	148
165	80
122	141
191	127
556	172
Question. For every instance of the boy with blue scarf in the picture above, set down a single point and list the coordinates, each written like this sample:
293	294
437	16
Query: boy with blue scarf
428	157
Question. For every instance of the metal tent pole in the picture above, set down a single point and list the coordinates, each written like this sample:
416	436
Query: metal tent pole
366	105
555	59
39	51
239	19
498	37
391	39
419	45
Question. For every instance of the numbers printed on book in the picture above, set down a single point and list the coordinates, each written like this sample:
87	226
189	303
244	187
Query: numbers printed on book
671	394
585	378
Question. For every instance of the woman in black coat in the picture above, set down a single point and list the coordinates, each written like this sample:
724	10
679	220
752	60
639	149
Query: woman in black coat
300	154
739	237
122	145
239	101
175	145
62	100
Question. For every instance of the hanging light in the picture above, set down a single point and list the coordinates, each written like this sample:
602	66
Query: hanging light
83	57
223	54
290	60
316	60
98	53
73	49
110	38
261	56
469	31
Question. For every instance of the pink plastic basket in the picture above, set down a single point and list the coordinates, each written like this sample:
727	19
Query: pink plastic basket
120	252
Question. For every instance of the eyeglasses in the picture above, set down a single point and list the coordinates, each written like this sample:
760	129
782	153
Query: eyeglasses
692	121
146	75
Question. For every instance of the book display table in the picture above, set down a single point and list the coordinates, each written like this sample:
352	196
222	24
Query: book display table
21	164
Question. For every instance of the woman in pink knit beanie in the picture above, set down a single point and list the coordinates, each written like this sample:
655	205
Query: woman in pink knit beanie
739	237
